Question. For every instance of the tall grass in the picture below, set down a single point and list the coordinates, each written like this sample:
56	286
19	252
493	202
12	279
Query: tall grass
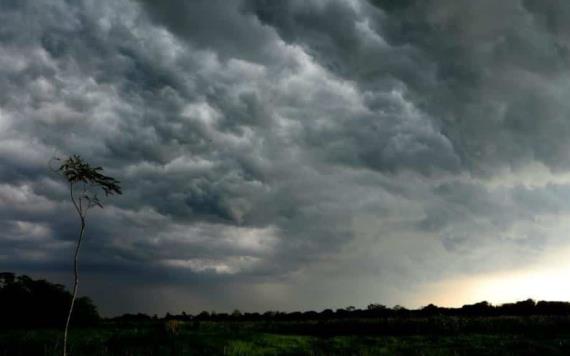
450	337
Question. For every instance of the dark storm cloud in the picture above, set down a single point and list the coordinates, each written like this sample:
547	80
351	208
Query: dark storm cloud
493	88
286	145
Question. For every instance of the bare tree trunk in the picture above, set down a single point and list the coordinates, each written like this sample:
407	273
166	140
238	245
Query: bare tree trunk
75	272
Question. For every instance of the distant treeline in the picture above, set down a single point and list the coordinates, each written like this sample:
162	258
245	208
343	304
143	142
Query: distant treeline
525	317
26	303
483	309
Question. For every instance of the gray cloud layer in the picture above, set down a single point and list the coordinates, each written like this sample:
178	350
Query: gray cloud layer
290	154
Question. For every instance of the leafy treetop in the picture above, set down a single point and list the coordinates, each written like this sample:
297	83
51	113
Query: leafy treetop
76	170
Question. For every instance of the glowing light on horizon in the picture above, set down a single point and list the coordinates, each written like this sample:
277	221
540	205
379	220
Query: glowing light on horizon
547	280
548	284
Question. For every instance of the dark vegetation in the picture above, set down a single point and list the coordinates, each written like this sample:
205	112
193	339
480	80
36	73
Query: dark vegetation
28	303
33	316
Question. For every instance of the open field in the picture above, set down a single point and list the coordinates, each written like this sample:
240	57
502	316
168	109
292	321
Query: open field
32	315
476	337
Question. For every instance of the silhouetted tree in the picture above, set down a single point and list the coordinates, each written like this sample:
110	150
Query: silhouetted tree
236	314
89	180
480	309
204	315
28	303
525	307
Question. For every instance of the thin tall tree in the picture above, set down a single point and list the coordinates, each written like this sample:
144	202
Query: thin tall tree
84	183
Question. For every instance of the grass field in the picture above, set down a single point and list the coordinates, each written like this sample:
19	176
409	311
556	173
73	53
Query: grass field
219	338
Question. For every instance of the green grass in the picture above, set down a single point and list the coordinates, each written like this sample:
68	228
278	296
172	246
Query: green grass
238	340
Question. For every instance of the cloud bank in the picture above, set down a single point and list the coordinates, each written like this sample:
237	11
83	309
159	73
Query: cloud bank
279	155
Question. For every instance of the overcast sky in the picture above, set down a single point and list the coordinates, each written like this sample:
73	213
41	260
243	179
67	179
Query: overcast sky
280	155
